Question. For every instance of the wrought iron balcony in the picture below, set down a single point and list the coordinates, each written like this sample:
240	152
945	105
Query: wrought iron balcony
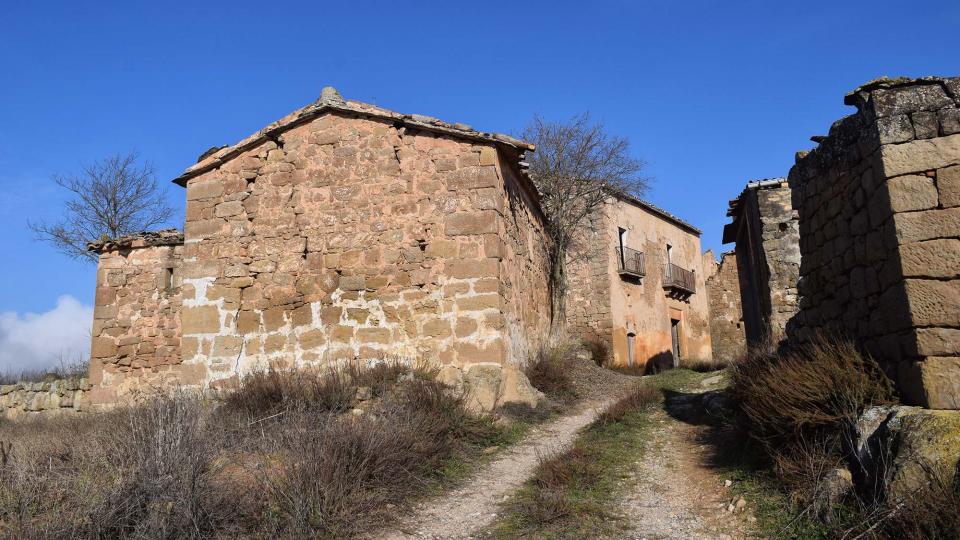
630	262
679	279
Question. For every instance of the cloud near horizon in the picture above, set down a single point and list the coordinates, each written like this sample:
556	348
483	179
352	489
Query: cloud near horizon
37	341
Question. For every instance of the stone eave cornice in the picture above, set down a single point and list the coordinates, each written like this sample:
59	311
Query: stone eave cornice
165	237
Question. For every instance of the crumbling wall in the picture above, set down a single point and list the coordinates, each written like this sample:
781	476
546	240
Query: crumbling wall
766	232
879	207
136	326
356	237
726	318
26	399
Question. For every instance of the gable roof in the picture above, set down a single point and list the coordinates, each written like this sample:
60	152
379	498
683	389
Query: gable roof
331	101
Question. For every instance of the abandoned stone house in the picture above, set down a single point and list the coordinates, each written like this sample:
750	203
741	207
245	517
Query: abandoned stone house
636	286
342	231
878	202
766	235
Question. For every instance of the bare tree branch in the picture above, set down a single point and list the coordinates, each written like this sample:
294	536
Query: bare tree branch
577	166
110	198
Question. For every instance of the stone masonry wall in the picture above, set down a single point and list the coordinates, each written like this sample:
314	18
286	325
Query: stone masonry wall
766	232
136	327
879	206
726	318
352	237
25	399
588	285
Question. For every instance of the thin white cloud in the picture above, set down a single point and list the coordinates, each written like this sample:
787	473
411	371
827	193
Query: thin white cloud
37	341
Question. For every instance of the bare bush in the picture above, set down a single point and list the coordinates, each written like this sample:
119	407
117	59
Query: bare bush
813	391
550	370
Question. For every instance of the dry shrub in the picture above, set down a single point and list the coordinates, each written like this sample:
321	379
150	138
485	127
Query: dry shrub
340	471
550	370
808	393
142	472
638	398
265	393
928	513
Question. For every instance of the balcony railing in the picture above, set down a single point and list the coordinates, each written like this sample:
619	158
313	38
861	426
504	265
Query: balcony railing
675	277
630	262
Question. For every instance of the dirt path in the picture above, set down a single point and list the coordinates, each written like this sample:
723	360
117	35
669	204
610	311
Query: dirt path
673	493
467	510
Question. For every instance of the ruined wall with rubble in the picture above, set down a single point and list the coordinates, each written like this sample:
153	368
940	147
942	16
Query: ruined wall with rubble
767	237
349	237
879	208
727	335
136	326
44	398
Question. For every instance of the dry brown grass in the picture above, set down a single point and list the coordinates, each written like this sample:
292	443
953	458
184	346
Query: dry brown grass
281	459
550	370
641	396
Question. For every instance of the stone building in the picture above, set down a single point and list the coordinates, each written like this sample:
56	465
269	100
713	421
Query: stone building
636	286
727	332
879	210
342	231
765	231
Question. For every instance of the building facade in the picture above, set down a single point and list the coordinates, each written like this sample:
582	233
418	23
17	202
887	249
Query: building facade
727	332
636	286
343	231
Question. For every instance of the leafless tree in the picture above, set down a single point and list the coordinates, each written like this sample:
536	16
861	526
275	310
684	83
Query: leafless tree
110	198
577	166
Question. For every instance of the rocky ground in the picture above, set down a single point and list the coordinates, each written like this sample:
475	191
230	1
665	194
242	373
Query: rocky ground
672	493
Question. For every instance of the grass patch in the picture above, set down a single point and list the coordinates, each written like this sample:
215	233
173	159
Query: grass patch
570	493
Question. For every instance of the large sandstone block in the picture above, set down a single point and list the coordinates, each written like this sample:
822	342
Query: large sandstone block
948	185
934	303
911	192
919	226
200	320
936	342
933	258
920	156
465	223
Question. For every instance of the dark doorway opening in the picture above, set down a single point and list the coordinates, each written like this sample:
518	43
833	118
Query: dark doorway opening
675	337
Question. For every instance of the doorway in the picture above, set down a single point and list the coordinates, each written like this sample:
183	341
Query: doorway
675	338
630	337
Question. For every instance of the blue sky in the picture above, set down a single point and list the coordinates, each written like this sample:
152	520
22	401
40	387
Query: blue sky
710	94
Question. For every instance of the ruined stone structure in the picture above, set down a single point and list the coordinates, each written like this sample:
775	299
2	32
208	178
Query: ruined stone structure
879	210
46	398
342	231
636	286
136	314
765	229
727	332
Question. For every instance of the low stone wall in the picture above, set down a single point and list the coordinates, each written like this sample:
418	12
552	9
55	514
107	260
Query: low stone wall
58	396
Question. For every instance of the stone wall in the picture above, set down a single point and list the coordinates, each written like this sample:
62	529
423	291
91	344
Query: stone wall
136	326
879	208
356	235
766	232
588	284
25	399
727	335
